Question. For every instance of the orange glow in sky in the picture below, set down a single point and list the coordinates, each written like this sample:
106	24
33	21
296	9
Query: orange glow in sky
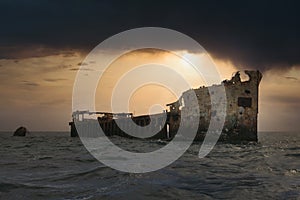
37	92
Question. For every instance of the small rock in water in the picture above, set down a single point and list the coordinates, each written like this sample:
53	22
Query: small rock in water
21	131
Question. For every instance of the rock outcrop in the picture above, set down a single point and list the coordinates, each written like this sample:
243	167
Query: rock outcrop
21	131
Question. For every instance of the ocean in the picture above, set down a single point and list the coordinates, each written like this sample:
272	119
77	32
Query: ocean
52	165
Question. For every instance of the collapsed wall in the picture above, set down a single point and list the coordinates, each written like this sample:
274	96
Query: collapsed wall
241	108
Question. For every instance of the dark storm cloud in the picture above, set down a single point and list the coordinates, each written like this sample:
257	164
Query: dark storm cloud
54	79
30	83
82	64
257	34
291	78
83	69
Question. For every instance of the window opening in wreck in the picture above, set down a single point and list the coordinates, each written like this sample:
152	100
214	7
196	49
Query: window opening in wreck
182	102
168	131
245	102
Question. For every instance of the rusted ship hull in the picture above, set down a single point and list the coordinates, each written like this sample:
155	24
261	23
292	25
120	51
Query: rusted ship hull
240	121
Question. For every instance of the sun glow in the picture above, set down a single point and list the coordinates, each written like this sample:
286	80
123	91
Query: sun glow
133	60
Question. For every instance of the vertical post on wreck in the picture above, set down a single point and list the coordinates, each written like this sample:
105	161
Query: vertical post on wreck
74	132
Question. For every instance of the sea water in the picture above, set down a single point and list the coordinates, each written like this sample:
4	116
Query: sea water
52	165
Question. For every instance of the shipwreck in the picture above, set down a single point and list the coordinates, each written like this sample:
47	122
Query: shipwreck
240	121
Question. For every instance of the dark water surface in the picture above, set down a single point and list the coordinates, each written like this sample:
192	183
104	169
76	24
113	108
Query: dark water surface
55	166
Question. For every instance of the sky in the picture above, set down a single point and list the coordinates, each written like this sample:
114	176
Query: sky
43	43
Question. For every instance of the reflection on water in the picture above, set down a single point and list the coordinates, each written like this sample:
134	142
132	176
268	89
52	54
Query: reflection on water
55	166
